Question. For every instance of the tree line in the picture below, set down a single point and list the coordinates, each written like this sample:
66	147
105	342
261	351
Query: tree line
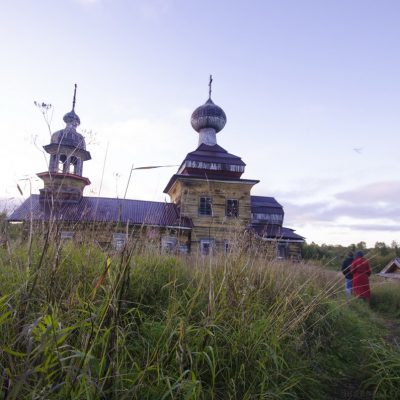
332	256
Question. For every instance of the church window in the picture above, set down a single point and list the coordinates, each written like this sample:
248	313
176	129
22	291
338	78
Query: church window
206	246
205	206
73	162
168	244
232	208
183	249
281	251
268	218
226	247
66	235
62	163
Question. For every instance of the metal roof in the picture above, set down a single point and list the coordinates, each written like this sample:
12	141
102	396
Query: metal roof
264	201
101	209
176	177
213	154
271	231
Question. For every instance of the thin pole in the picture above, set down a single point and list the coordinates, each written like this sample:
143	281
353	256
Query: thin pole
127	184
147	167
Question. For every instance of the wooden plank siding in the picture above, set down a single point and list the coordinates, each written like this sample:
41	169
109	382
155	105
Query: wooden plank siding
102	233
186	193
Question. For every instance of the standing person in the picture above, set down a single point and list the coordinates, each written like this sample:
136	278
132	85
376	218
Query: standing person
346	269
361	272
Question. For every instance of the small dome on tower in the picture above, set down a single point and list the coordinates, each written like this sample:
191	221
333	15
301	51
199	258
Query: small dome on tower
72	118
209	115
69	136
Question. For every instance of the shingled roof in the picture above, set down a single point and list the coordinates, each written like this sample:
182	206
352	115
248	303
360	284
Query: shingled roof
101	209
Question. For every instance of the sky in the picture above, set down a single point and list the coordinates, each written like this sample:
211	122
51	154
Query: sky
310	89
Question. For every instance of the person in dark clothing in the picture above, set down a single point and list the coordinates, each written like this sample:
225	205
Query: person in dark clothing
346	269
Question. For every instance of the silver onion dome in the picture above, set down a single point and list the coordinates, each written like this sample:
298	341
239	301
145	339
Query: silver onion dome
69	136
207	116
72	118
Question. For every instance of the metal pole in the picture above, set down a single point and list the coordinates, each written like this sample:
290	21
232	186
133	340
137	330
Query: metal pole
129	179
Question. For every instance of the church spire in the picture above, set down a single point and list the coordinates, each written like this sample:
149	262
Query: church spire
71	118
74	99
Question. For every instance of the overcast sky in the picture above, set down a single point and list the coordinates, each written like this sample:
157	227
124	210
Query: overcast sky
311	90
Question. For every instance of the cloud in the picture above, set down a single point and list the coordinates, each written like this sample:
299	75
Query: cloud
371	207
324	212
373	227
308	188
386	192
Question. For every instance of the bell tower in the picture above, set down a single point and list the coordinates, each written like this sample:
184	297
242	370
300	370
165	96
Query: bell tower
63	182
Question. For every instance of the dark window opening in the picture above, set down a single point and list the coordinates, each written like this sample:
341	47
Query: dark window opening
226	247
62	163
205	206
281	251
232	208
206	246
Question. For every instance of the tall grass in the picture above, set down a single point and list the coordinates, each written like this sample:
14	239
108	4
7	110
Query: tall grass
86	324
386	297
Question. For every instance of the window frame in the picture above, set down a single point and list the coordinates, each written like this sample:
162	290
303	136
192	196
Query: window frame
207	209
169	244
232	214
67	235
210	242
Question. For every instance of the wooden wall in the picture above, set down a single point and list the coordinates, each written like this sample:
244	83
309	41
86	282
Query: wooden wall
186	194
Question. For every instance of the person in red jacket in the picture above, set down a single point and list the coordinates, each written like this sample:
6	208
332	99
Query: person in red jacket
361	272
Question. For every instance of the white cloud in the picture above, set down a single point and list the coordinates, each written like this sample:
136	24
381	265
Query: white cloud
385	192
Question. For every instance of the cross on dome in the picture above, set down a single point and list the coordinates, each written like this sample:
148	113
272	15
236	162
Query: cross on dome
208	119
71	118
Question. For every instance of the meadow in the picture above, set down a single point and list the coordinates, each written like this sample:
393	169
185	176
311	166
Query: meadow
80	322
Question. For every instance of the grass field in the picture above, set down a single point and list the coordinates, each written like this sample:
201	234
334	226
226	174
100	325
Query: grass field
77	322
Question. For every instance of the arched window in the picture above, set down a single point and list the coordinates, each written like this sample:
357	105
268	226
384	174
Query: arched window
62	163
73	162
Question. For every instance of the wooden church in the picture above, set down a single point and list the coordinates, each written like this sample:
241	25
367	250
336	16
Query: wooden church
209	198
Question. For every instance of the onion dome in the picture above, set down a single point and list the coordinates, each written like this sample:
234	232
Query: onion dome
207	116
69	136
72	118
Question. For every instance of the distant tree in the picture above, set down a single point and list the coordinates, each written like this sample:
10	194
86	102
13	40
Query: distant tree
395	246
361	246
328	255
382	248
